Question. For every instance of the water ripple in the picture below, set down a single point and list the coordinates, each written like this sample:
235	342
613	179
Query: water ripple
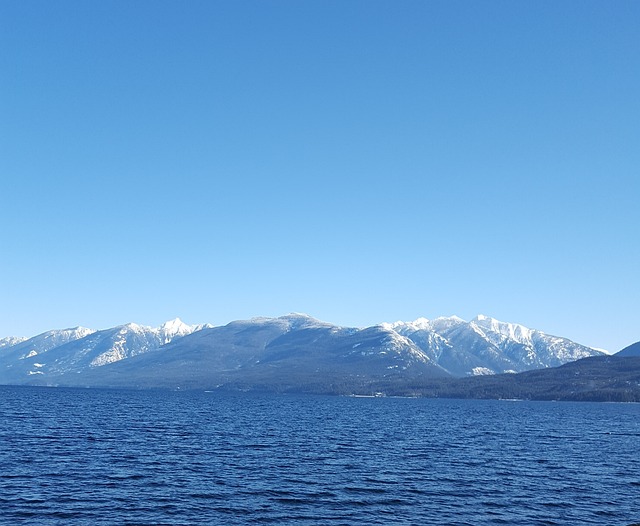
115	457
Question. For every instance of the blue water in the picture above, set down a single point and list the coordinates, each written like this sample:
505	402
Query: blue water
72	456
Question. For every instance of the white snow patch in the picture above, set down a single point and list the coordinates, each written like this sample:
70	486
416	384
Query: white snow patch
481	371
512	331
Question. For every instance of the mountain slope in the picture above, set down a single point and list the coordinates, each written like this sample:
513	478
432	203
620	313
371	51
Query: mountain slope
93	349
631	350
488	346
598	378
11	341
17	360
294	352
286	351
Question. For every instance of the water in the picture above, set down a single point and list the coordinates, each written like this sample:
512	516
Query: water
72	456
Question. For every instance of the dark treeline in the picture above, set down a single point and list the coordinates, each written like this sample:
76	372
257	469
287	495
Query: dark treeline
601	379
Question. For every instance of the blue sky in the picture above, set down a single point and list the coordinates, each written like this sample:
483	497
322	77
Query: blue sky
361	161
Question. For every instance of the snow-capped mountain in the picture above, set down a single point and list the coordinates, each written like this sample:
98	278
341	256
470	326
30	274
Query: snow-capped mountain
10	341
285	353
74	350
285	349
485	345
169	331
42	343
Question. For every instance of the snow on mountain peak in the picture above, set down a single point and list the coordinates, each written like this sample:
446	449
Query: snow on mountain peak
513	331
450	318
173	329
421	324
397	325
11	340
166	331
479	346
133	326
296	318
424	324
176	325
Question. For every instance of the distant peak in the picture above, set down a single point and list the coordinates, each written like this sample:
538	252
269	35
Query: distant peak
11	340
173	324
297	315
298	318
488	322
450	318
172	329
73	329
132	326
79	331
421	323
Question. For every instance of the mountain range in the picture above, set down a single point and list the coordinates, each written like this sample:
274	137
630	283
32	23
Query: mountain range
58	352
288	352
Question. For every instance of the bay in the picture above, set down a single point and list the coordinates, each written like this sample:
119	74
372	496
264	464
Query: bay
91	456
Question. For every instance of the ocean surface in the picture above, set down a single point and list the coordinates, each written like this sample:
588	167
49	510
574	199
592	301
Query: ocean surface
74	456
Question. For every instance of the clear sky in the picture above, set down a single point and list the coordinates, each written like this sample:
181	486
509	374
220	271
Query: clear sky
360	161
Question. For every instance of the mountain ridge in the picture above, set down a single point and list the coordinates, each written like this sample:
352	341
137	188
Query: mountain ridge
630	350
261	347
74	350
